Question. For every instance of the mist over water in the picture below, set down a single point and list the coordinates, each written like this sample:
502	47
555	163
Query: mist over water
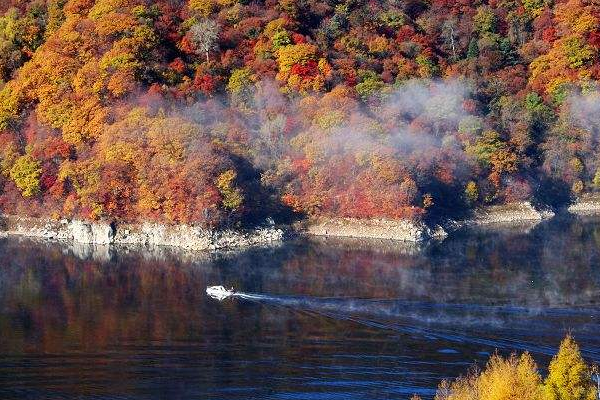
311	320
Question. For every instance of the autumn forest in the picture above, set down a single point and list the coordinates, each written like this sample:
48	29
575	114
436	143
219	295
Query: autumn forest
221	112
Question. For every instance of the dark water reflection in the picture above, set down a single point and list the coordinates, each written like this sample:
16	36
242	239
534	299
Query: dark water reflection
332	320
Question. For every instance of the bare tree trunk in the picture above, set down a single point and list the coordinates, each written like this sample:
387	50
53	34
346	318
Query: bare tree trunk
452	42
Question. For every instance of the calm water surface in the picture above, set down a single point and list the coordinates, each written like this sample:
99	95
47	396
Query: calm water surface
334	320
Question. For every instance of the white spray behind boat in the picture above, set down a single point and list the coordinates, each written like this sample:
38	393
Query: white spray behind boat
221	293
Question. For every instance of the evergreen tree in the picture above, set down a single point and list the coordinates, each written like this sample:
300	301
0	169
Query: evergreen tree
473	50
569	377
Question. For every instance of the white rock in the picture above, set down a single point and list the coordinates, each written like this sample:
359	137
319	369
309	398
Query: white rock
92	232
509	214
585	207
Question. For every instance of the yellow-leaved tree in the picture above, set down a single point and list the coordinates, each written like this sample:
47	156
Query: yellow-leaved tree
569	377
517	378
503	379
232	196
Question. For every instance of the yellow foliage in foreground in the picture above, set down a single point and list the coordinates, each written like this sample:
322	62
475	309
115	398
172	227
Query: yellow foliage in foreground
517	378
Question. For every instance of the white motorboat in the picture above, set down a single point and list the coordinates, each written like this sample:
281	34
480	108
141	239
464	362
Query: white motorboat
219	292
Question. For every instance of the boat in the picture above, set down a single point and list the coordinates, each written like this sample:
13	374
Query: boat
219	292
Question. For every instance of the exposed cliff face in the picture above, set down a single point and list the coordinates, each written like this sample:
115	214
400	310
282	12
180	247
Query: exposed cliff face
182	236
195	238
93	233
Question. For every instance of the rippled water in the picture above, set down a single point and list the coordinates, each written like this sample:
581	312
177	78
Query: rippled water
332	320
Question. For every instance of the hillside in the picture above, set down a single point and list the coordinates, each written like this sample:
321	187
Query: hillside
224	112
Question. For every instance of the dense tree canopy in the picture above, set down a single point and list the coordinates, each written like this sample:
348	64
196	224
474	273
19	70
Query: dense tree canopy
213	111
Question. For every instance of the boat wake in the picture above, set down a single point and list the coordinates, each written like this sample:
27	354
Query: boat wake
503	327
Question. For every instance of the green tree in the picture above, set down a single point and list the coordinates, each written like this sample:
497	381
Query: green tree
26	173
577	52
281	39
534	7
485	20
485	146
240	87
473	50
371	85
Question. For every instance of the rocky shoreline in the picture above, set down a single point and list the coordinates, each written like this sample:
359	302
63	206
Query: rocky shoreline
588	204
185	237
417	232
515	213
402	230
193	238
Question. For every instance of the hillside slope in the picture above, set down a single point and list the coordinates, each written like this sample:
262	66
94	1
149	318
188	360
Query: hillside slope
223	112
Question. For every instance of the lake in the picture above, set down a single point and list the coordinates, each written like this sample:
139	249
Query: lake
322	320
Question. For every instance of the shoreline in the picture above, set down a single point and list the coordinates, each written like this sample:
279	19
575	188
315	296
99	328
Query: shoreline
384	229
514	214
185	237
587	204
193	238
